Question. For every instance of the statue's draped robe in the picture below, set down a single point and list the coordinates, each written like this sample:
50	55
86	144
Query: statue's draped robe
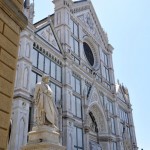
43	96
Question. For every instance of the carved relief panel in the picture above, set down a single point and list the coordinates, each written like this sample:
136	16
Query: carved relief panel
48	35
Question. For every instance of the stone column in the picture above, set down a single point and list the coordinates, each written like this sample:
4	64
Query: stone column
22	93
12	21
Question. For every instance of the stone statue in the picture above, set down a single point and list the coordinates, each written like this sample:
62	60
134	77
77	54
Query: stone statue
44	105
44	135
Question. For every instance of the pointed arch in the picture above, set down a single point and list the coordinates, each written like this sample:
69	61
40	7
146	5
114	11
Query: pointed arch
98	115
94	95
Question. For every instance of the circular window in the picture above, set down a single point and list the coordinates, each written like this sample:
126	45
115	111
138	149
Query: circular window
88	53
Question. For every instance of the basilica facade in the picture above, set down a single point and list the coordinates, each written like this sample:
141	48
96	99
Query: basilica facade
94	112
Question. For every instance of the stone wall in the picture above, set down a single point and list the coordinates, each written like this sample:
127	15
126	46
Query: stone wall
12	21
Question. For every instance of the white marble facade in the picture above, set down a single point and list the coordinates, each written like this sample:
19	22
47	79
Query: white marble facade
72	47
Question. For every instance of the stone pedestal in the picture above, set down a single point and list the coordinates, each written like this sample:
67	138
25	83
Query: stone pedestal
43	138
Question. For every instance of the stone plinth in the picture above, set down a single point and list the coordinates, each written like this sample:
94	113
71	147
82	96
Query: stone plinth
43	146
44	134
43	138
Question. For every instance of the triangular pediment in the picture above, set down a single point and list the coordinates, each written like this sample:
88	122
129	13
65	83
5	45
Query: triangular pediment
87	19
47	34
85	12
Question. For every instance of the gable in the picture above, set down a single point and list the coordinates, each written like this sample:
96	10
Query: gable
87	19
85	12
47	34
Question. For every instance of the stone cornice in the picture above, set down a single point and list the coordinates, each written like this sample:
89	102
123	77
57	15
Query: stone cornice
23	97
14	12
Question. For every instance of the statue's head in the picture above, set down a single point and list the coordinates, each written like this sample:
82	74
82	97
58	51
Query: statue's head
45	78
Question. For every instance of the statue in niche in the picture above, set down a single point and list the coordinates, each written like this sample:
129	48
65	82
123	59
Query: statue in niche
44	105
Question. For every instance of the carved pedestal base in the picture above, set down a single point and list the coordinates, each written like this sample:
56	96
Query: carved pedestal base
43	138
43	146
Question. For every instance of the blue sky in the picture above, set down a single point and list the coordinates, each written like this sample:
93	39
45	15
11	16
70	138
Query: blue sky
127	24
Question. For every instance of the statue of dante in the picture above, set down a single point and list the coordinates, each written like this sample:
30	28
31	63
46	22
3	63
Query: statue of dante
45	107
